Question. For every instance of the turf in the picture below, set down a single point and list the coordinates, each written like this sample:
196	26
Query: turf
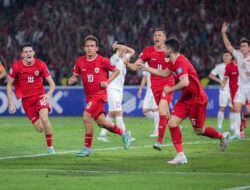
25	165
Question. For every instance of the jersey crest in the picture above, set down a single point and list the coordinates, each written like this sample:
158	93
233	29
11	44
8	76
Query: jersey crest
97	70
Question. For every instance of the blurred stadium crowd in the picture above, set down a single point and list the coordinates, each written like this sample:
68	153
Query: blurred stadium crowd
57	28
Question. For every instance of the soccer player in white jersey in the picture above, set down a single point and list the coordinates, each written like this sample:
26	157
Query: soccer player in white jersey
115	88
243	59
149	107
217	74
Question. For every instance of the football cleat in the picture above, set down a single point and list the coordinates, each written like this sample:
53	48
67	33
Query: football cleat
234	137
51	150
84	152
126	139
157	146
102	139
179	159
224	141
154	134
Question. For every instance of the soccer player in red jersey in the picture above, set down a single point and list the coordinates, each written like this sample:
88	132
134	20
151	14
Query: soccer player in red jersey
27	76
2	71
93	70
192	103
156	58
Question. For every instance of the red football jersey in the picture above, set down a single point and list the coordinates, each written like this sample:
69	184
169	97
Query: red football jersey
194	91
157	59
231	71
29	78
93	72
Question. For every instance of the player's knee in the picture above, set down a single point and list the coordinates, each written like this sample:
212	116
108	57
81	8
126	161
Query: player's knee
39	129
199	131
44	120
172	123
86	119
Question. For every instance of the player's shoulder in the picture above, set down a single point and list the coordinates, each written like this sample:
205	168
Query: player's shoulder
102	58
39	61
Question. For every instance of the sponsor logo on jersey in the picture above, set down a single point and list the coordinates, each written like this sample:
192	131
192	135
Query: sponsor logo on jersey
36	73
97	70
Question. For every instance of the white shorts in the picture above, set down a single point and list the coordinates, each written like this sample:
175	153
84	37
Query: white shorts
149	101
242	95
225	98
115	99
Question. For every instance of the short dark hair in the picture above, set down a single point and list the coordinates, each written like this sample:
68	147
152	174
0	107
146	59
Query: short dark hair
24	45
161	30
244	40
173	44
92	38
119	43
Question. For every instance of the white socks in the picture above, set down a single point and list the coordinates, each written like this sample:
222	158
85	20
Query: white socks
154	116
120	123
220	118
103	130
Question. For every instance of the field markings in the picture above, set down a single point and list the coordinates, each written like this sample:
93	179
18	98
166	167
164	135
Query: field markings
104	149
238	188
44	170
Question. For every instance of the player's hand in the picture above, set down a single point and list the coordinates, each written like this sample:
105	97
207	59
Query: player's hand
104	84
72	80
139	93
141	66
12	108
224	27
45	97
167	89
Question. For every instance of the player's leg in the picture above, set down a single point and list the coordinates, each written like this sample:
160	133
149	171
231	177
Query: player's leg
220	118
102	136
44	118
197	116
179	113
224	99
113	128
245	115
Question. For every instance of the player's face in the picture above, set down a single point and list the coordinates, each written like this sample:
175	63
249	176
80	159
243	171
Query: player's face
227	58
244	48
90	48
167	50
28	55
159	38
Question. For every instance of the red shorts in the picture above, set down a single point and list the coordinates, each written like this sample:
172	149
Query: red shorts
158	95
194	110
32	105
95	106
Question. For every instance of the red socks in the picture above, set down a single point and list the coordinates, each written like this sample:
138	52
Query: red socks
116	130
212	133
162	127
49	140
88	140
176	138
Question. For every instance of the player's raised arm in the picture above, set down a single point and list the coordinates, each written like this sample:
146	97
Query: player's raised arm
10	82
226	41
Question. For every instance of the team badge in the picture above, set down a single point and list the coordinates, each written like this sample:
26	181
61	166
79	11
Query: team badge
36	73
97	70
179	70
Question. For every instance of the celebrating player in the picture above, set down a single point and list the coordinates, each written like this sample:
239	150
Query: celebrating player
192	103
27	76
93	70
115	88
149	107
224	93
243	60
155	56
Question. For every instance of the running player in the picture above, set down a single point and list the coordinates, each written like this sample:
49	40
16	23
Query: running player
27	76
93	70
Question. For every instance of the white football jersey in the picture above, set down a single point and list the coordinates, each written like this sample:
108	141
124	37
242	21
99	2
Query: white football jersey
244	69
220	71
118	82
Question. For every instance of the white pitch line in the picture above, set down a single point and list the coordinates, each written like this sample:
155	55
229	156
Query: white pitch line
120	172
238	188
104	149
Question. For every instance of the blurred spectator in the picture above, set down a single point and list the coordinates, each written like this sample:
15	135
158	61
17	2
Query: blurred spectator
57	28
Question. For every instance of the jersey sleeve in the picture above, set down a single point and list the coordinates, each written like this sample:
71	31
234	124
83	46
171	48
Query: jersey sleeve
114	58
45	70
77	69
238	56
13	71
215	71
107	65
144	56
180	70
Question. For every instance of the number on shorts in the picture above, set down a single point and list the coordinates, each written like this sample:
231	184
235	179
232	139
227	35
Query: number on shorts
193	121
88	105
43	102
90	78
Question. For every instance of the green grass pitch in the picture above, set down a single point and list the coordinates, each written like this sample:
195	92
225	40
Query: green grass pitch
24	163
